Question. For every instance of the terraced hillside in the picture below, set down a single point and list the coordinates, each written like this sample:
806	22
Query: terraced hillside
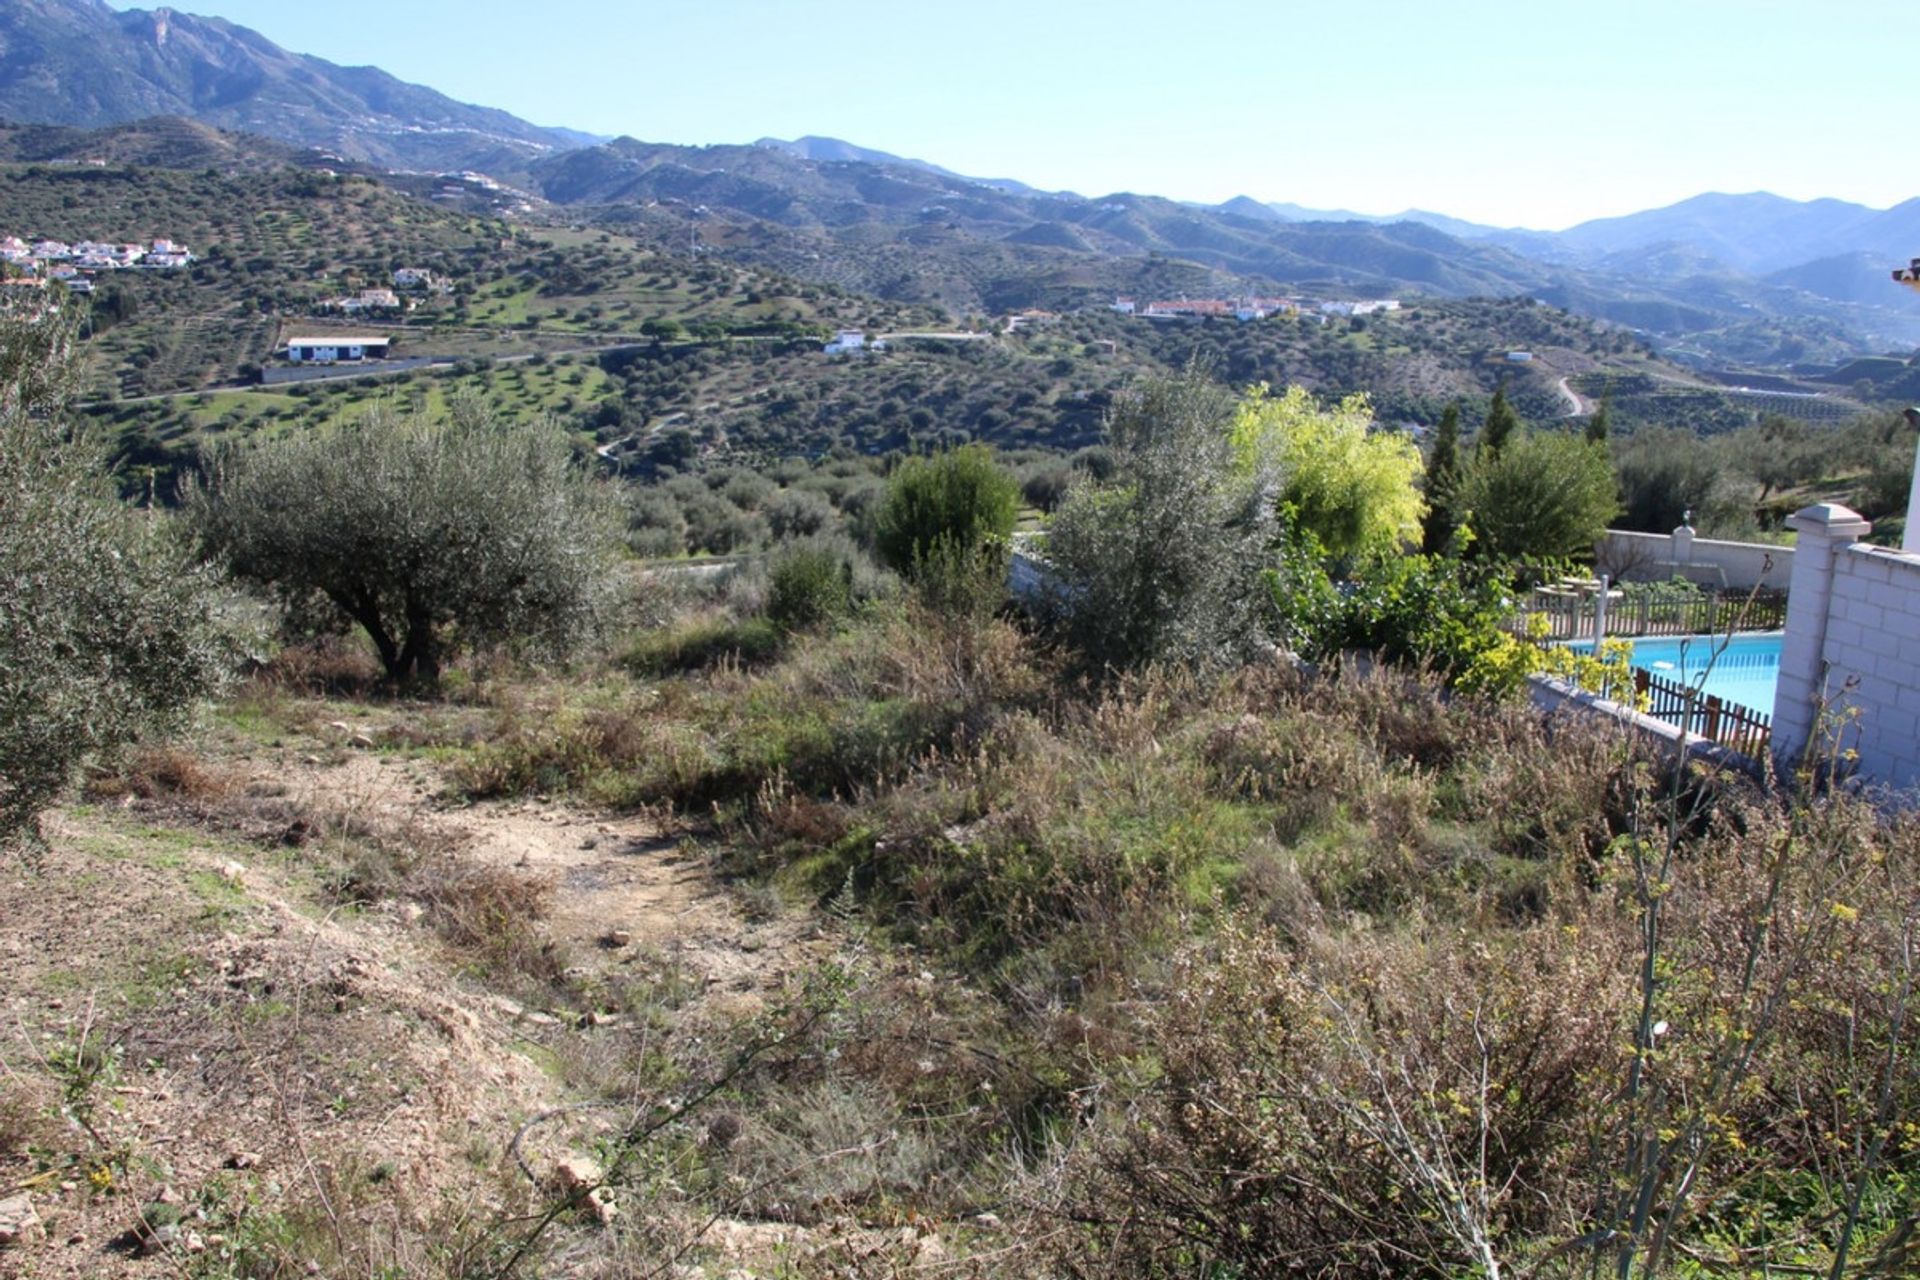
273	244
715	402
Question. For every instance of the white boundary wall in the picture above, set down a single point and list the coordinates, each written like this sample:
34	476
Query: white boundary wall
1852	643
1627	556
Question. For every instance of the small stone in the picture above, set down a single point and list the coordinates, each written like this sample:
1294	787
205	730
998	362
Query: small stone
576	1173
69	1187
615	938
243	1160
19	1224
155	1239
194	1243
991	1221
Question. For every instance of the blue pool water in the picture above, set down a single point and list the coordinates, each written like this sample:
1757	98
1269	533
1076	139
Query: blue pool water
1745	670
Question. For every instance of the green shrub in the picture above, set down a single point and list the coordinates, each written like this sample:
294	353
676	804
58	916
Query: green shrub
956	503
1544	495
808	584
693	644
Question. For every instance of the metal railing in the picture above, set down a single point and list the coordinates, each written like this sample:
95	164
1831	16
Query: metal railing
1569	615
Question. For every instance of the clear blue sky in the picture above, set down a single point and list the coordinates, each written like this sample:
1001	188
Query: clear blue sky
1538	114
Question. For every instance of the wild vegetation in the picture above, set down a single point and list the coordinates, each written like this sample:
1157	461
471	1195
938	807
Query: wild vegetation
515	909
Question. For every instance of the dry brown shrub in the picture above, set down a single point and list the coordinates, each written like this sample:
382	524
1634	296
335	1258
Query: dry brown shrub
1307	766
330	666
164	772
494	913
1322	1111
1551	789
26	1111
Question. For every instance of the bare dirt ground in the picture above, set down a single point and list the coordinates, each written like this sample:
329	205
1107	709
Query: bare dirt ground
187	1019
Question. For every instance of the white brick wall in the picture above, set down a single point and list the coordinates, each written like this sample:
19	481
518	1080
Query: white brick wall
1873	639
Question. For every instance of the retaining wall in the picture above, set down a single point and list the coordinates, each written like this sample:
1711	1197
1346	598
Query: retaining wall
1654	557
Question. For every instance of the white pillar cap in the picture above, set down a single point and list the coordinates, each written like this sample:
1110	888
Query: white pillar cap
1830	520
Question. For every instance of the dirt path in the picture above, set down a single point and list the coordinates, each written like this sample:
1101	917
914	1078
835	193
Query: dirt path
264	1033
1575	405
614	879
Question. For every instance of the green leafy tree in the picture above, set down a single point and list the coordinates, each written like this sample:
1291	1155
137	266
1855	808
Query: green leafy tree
1163	561
109	629
428	532
1351	488
1443	478
958	504
1501	424
1665	473
1544	496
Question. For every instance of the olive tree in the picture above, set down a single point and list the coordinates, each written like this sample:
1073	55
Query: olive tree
109	628
427	531
1162	561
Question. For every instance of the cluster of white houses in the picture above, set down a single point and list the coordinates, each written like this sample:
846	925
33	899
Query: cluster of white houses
406	280
36	262
364	301
1247	308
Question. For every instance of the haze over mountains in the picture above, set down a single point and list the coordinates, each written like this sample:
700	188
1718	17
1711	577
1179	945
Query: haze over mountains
1751	277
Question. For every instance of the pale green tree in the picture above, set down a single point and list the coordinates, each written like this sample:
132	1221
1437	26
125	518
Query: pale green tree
1354	489
1162	560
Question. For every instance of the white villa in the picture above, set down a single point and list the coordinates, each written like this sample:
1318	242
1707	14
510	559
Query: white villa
337	348
365	300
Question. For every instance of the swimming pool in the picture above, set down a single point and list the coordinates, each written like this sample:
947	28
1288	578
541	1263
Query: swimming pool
1743	669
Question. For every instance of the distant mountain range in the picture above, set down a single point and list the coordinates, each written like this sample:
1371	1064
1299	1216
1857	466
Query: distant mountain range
79	62
817	148
1747	277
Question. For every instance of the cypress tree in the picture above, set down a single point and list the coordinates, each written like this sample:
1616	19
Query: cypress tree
1443	475
1501	423
1598	424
